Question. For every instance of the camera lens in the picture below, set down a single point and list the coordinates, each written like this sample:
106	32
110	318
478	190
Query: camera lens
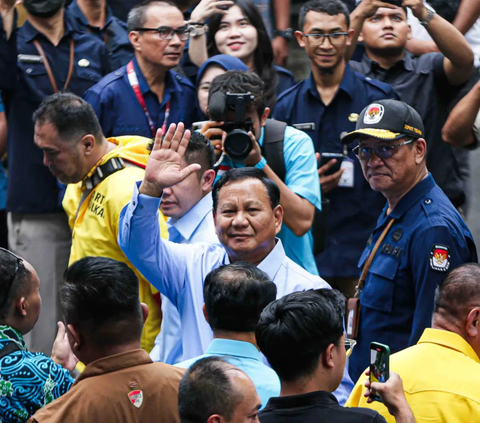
238	145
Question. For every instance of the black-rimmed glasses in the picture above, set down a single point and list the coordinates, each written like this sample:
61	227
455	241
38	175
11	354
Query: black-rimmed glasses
336	38
167	33
19	261
383	152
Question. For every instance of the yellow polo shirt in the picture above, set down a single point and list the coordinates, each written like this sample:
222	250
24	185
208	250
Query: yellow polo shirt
441	379
95	226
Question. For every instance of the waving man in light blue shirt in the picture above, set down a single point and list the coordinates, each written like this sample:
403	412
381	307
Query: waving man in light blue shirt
247	216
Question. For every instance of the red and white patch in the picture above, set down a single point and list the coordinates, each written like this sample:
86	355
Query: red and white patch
440	258
373	114
136	398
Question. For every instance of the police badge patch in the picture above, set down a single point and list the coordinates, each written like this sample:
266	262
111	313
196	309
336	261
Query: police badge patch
440	258
136	398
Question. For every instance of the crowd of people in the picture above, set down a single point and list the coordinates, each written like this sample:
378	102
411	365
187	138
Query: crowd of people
188	234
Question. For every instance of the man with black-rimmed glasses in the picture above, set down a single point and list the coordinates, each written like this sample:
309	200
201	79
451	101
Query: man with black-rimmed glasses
28	380
325	106
419	237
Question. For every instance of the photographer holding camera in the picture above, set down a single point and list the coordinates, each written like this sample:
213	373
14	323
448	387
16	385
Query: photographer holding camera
239	121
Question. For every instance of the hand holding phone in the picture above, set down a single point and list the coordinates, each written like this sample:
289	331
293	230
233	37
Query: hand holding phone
379	366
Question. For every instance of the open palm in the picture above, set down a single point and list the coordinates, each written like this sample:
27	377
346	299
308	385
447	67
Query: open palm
165	167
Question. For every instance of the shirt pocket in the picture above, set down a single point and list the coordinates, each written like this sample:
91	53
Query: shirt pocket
380	284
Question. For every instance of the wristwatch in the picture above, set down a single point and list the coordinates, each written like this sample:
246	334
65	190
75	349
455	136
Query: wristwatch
285	33
431	14
197	29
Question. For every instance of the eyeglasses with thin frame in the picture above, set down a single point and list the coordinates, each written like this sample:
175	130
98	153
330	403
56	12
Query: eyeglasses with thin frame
382	152
167	33
19	261
336	38
349	344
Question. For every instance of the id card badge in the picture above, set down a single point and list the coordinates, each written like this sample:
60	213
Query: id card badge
348	176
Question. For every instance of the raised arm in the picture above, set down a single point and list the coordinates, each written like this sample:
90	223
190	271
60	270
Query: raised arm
467	15
7	11
458	63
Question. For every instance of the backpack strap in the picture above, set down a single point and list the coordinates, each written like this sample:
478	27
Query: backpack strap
272	148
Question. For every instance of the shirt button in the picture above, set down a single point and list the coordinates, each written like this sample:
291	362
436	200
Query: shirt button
133	202
29	70
428	201
368	78
140	206
179	77
118	73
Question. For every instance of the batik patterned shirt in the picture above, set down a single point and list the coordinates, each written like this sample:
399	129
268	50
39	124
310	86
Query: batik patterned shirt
28	380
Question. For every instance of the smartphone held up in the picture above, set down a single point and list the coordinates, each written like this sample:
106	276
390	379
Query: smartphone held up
379	365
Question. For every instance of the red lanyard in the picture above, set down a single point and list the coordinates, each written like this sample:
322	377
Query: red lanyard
132	78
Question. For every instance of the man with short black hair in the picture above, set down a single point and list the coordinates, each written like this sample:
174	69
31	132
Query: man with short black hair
247	217
101	173
302	338
235	295
289	162
104	320
28	380
214	391
147	94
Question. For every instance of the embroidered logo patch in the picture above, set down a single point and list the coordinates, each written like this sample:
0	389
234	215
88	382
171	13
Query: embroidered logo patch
440	258
136	398
374	114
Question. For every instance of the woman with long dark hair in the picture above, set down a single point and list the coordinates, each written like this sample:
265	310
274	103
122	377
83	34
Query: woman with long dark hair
240	31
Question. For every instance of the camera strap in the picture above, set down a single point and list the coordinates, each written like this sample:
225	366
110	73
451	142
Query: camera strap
133	80
272	148
353	304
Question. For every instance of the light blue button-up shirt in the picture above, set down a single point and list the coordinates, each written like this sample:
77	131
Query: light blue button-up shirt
194	226
302	178
178	271
246	357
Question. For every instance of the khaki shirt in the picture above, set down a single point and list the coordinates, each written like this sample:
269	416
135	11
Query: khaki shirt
126	387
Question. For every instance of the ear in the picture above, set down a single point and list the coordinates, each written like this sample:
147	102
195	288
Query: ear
278	216
299	37
21	306
473	325
134	38
208	178
215	418
351	33
76	339
265	115
420	150
88	143
327	357
409	34
145	311
360	37
204	309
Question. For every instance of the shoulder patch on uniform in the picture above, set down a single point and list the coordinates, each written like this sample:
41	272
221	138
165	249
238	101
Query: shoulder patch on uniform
136	398
440	258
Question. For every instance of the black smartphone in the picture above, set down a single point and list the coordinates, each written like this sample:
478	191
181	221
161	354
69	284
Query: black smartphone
394	2
379	365
326	157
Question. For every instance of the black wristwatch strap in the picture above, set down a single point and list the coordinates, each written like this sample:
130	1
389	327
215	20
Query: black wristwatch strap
285	33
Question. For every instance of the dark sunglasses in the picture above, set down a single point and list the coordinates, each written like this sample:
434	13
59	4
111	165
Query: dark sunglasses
383	152
167	33
19	261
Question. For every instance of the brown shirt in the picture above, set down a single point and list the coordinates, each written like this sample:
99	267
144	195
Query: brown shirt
126	387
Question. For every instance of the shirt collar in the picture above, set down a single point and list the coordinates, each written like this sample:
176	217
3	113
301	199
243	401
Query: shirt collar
9	334
406	62
233	348
271	264
77	13
170	82
30	33
304	400
347	85
450	340
115	362
188	223
412	197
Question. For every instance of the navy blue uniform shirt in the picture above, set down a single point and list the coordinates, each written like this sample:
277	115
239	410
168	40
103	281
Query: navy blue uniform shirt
114	34
353	211
31	186
427	240
120	113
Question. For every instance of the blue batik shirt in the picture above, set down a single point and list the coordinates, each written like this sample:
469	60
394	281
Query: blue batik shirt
28	380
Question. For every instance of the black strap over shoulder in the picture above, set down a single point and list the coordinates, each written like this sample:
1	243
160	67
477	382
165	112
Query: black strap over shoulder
11	347
272	148
104	171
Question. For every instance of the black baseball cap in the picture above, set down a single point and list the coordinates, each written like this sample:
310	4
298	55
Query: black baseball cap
387	120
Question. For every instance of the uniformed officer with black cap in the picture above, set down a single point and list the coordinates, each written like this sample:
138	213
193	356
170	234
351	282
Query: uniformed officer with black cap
418	239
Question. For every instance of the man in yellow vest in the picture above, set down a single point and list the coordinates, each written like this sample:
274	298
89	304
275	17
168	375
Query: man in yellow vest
100	174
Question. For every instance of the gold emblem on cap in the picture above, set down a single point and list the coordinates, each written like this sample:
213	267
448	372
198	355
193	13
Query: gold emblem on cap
353	117
84	63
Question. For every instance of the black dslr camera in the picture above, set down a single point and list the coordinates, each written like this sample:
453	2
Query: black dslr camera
237	143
